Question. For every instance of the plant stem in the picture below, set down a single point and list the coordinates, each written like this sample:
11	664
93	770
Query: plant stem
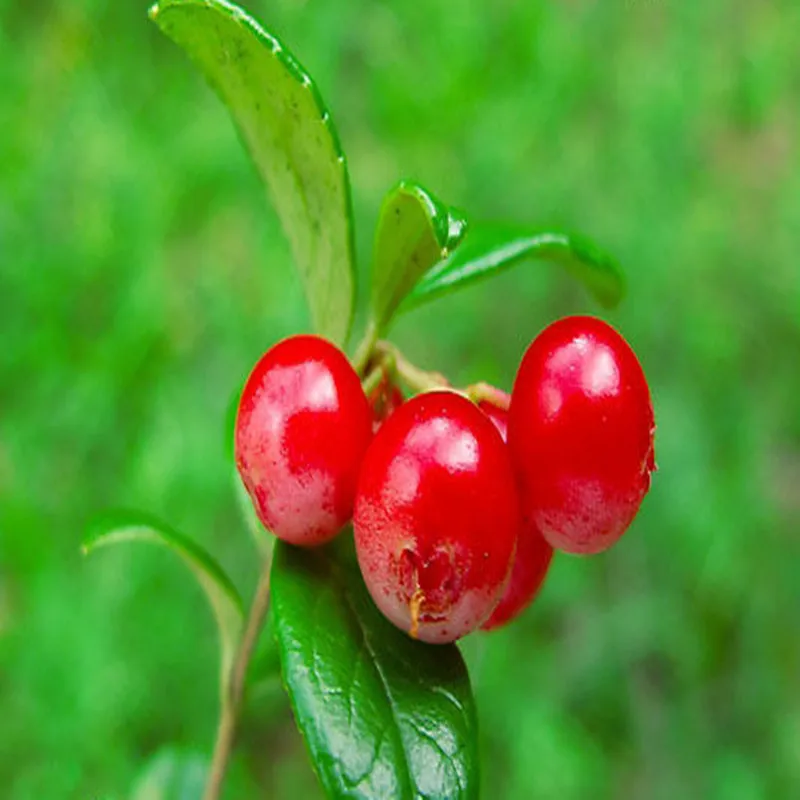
491	394
229	714
378	372
365	348
417	379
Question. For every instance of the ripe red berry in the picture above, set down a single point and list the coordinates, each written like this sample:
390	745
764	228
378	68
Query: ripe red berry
302	429
580	431
531	564
436	517
534	554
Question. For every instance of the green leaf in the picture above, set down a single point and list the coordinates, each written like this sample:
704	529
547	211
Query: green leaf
291	138
415	231
172	775
488	249
382	715
220	591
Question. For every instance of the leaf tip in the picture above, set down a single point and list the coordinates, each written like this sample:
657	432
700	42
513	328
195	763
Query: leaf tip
153	11
91	539
615	293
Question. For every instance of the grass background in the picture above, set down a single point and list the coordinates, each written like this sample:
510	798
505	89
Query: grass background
142	273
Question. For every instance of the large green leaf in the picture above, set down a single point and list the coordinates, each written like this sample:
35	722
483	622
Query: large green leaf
489	249
220	591
291	138
382	715
415	231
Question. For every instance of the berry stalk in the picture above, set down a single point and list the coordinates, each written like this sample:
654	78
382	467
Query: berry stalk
378	371
418	380
364	351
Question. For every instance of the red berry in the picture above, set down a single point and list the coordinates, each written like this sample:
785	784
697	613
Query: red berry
533	553
531	564
302	429
580	431
436	517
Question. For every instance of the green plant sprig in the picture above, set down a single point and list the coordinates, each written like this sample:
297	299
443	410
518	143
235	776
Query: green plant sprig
409	694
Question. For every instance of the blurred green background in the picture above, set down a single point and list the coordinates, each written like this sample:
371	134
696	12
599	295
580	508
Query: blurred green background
142	273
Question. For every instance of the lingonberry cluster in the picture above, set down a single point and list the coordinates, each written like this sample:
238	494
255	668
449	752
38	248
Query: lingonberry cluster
457	498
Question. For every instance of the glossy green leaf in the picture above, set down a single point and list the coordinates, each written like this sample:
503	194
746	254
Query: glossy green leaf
415	231
220	591
382	715
172	775
291	138
487	250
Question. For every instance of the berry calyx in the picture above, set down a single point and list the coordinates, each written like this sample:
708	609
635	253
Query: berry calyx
436	517
534	554
580	431
302	429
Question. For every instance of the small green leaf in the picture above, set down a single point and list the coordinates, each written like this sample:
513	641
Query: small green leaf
172	775
291	138
382	715
220	591
488	249
415	231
